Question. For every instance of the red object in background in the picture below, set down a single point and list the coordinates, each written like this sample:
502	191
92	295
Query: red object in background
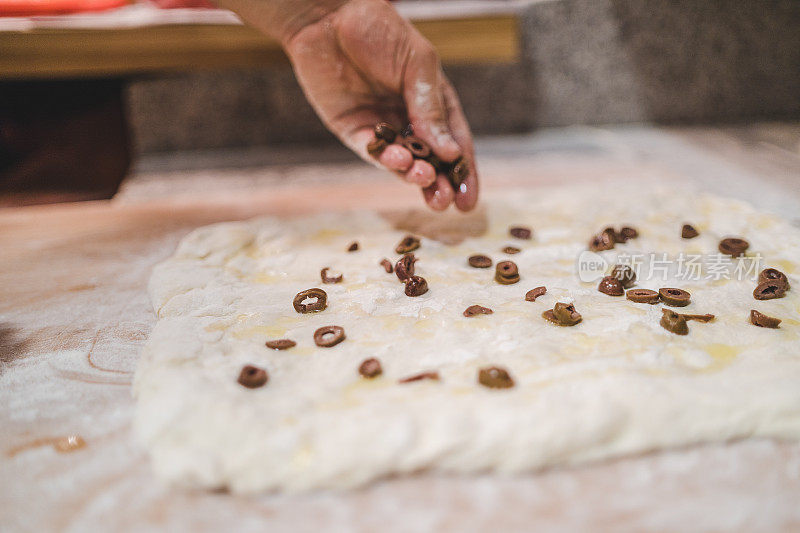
34	8
172	4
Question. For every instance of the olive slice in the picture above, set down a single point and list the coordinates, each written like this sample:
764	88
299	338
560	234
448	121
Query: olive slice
479	261
421	377
520	232
458	172
566	314
769	290
327	278
700	318
733	246
563	315
416	286
495	377
252	377
387	265
408	244
281	344
418	148
506	273
534	293
370	368
604	240
328	336
775	276
688	232
674	322
626	233
763	321
376	147
611	286
675	297
625	274
642	296
385	132
475	310
313	307
404	268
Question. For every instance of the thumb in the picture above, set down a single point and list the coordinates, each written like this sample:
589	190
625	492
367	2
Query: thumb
425	101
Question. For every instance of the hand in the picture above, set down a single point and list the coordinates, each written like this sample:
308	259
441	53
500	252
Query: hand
360	63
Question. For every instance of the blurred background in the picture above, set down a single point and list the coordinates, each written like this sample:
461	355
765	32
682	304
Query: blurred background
94	92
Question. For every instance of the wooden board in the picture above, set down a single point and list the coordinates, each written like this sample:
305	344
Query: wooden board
74	314
48	53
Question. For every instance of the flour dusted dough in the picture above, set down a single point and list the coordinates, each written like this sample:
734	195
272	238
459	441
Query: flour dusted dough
615	384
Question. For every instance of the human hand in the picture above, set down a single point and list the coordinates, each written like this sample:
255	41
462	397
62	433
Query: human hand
360	63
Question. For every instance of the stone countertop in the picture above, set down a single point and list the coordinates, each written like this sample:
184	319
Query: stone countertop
75	313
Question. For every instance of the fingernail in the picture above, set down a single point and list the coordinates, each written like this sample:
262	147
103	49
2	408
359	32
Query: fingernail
466	197
396	158
421	173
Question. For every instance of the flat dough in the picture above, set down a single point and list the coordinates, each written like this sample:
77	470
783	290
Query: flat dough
615	384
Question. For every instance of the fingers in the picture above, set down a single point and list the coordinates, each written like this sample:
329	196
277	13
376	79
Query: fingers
400	160
439	195
421	173
354	127
467	195
425	103
438	192
396	158
435	112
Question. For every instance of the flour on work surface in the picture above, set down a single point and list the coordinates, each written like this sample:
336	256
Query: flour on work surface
615	384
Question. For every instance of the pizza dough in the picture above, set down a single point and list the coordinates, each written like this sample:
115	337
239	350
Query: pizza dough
617	383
